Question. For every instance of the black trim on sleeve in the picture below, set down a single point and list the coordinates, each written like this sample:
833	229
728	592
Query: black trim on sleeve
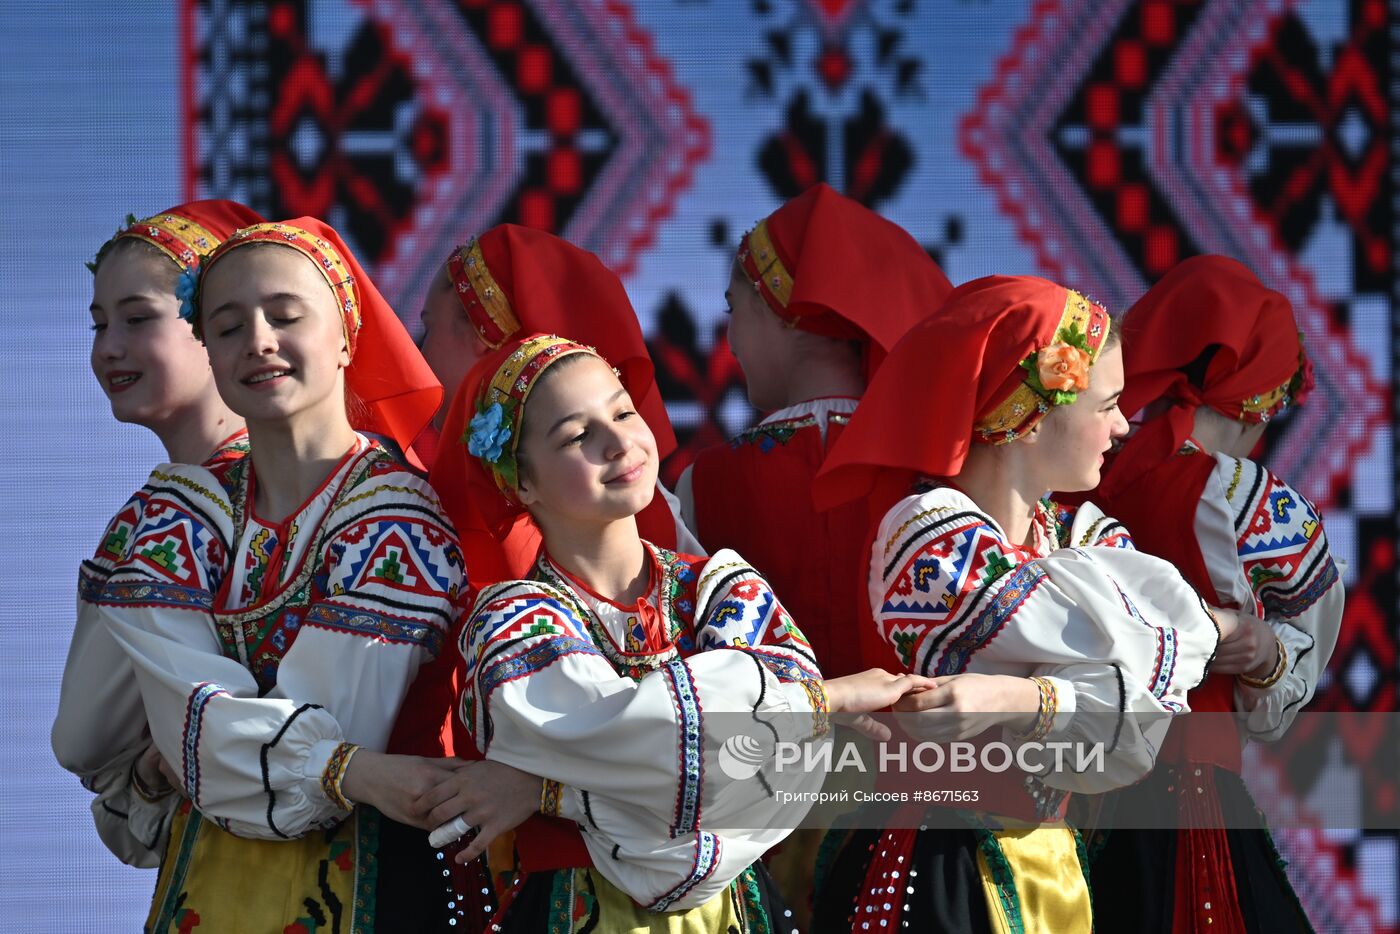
267	781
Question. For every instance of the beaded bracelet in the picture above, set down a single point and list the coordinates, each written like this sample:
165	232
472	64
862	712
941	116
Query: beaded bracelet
1275	676
334	774
551	795
1045	713
821	705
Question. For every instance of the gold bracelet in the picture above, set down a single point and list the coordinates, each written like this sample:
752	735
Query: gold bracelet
1275	676
334	775
551	795
821	705
1045	713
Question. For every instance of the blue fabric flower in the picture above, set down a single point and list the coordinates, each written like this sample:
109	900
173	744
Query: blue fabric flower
488	436
184	291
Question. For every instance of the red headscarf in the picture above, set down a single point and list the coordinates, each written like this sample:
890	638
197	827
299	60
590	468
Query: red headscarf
1259	366
815	262
498	537
513	281
189	232
386	372
955	376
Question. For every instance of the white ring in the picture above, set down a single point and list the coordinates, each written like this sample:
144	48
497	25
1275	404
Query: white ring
455	829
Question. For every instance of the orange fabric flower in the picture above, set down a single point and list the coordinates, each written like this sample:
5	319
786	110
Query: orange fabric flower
1064	368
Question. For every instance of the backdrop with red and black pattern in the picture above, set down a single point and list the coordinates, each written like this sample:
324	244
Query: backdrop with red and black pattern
1095	142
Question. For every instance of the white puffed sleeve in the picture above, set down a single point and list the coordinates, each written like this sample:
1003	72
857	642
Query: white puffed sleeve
1120	635
543	698
262	763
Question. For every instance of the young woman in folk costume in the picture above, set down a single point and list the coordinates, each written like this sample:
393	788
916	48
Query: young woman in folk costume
156	375
509	282
277	609
1212	355
820	291
593	673
1037	622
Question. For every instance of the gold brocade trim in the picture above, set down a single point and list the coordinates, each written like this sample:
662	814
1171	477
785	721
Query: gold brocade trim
761	260
710	573
388	488
1092	531
1023	409
181	239
469	273
1235	481
899	532
328	260
1264	406
191	485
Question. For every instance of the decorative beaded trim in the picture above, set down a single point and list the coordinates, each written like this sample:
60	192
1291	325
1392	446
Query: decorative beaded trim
332	266
1021	411
177	237
487	307
551	795
334	775
761	263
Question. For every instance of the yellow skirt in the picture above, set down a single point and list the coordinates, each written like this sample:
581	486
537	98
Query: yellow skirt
1034	880
211	880
582	900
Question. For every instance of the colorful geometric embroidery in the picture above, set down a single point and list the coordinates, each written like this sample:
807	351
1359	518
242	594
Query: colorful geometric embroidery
1283	551
392	555
358	622
1020	584
691	727
512	611
531	661
194	722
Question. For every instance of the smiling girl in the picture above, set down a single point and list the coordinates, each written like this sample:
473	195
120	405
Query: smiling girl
607	669
1037	622
277	609
155	374
509	282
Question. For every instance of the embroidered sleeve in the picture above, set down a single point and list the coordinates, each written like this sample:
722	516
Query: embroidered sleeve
630	754
265	763
1266	550
1120	636
742	612
99	708
394	570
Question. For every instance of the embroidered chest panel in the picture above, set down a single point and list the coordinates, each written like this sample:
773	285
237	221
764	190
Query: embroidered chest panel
671	597
258	634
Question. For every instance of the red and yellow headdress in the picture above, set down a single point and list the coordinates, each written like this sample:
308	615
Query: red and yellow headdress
493	435
986	367
513	281
827	264
1257	365
386	372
